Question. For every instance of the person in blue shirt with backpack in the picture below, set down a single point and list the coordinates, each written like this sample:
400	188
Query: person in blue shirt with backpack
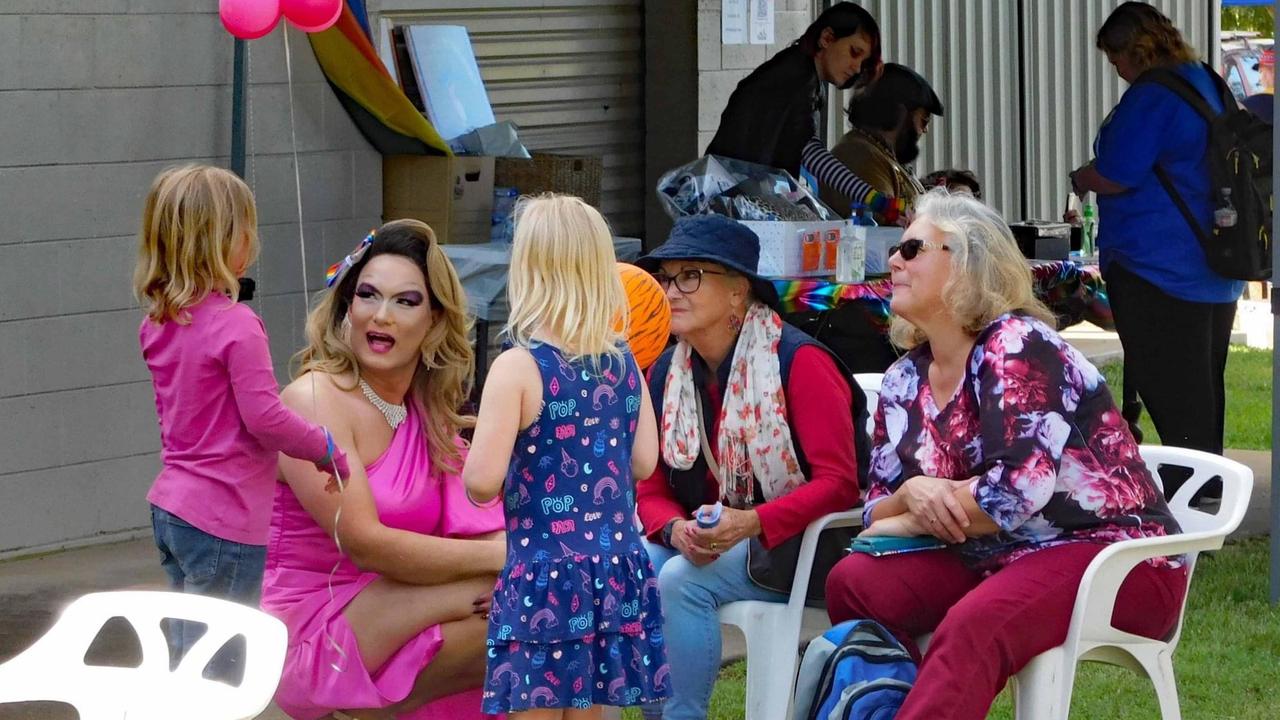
1173	313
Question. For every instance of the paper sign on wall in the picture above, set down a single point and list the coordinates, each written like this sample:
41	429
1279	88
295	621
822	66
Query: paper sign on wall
733	22
761	22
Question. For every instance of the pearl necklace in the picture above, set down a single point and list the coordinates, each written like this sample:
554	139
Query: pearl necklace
394	414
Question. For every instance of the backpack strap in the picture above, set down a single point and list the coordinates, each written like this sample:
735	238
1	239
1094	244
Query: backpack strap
1183	88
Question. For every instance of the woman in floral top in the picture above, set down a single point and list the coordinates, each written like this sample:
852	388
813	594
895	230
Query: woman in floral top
997	437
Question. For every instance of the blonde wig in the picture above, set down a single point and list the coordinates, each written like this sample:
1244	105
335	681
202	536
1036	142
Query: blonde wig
442	381
564	280
989	275
195	218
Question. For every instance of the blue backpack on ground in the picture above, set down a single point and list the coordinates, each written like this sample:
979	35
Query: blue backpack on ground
856	670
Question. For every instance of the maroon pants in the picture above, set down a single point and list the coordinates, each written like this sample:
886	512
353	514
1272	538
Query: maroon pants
987	629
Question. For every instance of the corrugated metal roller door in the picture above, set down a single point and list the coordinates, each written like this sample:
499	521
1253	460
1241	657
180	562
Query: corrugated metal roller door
968	51
1074	87
570	73
1022	110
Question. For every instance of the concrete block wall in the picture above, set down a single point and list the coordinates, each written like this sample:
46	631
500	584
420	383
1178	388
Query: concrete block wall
99	96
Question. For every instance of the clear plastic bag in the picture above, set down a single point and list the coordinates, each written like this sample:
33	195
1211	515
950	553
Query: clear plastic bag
738	189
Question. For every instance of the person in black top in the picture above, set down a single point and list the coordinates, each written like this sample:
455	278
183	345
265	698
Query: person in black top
772	116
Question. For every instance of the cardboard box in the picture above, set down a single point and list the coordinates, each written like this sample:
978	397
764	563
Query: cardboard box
454	195
788	249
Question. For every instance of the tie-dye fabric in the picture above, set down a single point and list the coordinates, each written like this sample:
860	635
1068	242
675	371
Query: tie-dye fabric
1035	428
576	619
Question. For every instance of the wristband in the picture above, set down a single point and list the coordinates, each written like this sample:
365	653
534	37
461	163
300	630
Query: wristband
329	448
667	531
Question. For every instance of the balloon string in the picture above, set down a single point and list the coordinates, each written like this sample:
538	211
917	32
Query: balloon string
302	246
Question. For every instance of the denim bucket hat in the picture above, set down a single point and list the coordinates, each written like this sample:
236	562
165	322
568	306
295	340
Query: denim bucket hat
717	239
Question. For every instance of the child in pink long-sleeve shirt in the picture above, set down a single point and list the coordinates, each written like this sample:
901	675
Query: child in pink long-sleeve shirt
221	419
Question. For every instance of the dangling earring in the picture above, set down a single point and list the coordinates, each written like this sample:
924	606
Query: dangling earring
735	322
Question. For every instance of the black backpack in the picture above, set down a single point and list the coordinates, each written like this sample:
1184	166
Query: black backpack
1239	158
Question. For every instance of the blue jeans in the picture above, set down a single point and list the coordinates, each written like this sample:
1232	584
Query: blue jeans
200	563
691	600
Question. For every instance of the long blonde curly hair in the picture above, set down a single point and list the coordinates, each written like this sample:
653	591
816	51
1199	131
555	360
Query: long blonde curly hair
989	275
442	381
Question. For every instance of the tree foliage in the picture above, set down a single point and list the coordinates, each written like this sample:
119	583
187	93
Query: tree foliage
1257	18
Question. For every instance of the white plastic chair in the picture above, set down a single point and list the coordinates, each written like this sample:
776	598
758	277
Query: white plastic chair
870	384
53	669
1042	690
772	630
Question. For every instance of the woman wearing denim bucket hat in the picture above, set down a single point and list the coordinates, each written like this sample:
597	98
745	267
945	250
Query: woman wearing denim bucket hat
745	405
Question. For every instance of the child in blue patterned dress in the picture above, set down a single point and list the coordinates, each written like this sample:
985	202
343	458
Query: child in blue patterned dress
565	424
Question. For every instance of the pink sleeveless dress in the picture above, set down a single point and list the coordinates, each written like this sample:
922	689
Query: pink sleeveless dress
295	588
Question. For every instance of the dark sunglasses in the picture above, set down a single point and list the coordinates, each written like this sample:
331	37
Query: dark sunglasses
911	248
686	281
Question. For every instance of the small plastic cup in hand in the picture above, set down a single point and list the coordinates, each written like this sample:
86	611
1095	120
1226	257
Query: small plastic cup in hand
709	517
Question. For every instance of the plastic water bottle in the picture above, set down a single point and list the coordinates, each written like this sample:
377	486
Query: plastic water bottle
710	516
1225	216
1088	239
851	257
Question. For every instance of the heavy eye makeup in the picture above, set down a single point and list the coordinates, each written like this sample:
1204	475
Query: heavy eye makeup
408	298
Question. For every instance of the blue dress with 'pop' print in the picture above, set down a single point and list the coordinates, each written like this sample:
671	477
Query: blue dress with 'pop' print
576	618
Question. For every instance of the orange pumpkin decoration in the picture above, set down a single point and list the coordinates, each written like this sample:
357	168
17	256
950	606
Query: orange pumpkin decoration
650	314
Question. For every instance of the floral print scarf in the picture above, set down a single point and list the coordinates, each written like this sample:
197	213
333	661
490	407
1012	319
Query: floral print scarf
753	444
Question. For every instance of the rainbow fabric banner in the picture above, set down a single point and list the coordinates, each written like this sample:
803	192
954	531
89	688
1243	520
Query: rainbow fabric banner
380	109
1073	292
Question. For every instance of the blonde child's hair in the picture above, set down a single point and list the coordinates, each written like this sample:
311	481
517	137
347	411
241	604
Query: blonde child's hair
989	275
446	362
564	280
193	220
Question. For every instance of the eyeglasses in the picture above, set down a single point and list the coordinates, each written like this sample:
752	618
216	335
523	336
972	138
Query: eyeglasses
911	248
687	281
338	269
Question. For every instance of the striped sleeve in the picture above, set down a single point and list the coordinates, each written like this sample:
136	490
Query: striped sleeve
837	176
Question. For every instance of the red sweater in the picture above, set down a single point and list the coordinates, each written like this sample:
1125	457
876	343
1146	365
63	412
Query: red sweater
818	401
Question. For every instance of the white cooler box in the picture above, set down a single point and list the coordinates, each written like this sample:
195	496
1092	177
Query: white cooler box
783	251
878	241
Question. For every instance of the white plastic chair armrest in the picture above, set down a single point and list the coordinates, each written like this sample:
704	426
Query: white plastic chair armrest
809	546
1096	598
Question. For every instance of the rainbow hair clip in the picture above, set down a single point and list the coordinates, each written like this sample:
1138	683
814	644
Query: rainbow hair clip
338	269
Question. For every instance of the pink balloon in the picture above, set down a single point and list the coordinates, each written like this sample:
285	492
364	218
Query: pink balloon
312	15
249	19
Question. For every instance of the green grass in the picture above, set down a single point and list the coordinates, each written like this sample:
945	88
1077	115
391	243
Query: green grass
1227	663
1248	385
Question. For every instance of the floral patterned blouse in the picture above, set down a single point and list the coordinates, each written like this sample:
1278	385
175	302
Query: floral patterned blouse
1034	424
